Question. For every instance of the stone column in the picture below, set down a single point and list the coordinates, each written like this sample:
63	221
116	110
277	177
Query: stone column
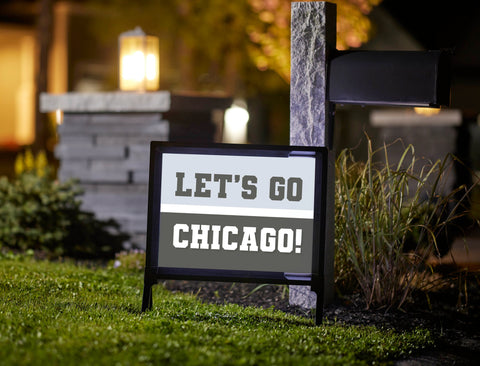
104	143
313	35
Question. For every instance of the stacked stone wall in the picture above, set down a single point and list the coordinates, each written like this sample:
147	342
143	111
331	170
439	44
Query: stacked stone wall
108	153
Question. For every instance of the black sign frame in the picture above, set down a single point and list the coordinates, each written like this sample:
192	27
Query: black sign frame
154	273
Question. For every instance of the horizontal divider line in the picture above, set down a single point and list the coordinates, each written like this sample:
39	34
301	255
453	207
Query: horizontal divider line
236	211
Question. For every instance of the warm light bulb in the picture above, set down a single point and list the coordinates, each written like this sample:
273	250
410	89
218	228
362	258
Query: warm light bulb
151	67
58	116
237	115
236	119
133	66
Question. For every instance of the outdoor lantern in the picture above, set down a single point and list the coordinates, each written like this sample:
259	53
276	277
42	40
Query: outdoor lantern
236	120
139	61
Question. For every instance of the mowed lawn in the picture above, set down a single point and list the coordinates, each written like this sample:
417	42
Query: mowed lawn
54	313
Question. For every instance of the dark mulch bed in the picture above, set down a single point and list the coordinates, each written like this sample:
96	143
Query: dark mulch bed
451	315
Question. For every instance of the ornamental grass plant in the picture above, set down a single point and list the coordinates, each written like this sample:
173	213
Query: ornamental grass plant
389	220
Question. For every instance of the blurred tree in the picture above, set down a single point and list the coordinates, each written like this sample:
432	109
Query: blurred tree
237	47
269	31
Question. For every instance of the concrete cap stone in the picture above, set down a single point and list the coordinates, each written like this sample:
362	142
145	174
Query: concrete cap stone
74	102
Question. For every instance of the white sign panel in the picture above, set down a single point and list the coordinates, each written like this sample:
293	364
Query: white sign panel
225	212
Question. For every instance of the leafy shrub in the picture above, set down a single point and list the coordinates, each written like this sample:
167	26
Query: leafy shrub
389	219
41	214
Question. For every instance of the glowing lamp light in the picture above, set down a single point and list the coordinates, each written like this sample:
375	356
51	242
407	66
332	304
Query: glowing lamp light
139	61
236	120
426	111
59	116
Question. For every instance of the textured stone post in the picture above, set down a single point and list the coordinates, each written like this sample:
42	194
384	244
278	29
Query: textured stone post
313	37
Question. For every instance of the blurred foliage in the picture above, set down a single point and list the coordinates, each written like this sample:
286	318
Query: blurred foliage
270	34
237	47
38	213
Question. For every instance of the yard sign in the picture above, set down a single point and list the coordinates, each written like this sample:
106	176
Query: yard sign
235	213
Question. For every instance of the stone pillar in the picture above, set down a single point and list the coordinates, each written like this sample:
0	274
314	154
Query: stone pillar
104	142
313	35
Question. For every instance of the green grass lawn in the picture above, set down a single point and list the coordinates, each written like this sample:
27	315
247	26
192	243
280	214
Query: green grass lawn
60	313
